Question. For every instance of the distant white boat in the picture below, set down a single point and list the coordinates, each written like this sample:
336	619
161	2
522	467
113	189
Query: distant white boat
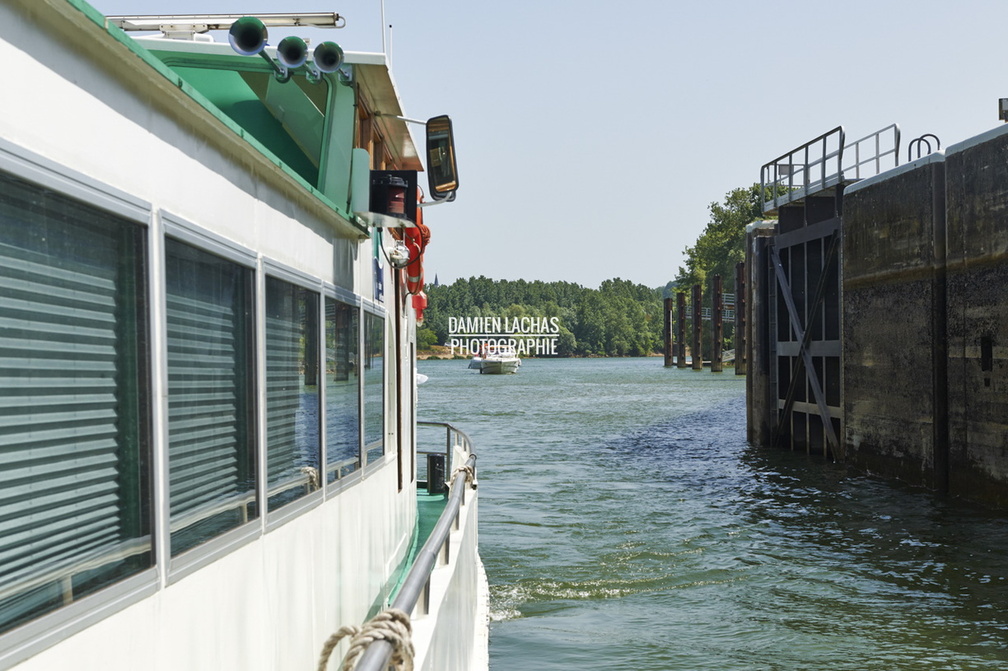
498	361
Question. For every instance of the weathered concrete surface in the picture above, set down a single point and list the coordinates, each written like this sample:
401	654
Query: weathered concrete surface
893	330
925	323
977	192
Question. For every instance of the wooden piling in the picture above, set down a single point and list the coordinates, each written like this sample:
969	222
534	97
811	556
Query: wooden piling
681	330
717	326
740	321
697	307
668	332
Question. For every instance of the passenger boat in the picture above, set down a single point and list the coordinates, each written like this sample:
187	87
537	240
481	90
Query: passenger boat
210	280
499	361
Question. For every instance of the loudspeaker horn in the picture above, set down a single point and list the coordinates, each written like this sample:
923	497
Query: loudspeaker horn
292	52
328	57
248	36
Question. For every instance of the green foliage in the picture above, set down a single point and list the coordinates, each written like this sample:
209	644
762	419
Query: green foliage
617	319
722	244
426	338
720	248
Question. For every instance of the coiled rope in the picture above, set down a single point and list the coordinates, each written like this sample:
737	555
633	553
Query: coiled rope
391	625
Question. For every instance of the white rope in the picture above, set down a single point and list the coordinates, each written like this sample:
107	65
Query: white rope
313	477
390	625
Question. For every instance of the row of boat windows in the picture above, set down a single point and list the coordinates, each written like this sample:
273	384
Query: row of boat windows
77	468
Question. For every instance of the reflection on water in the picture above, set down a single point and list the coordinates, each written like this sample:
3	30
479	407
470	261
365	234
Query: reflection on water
626	524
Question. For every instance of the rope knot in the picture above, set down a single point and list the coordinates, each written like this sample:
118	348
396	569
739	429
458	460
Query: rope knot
390	625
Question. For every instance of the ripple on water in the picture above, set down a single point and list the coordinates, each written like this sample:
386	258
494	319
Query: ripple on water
626	524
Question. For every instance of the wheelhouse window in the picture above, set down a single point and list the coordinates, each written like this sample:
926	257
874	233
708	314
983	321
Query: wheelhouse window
293	447
74	409
342	387
211	387
374	385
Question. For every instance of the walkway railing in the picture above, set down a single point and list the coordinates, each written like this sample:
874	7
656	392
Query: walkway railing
416	587
869	153
825	162
453	436
805	170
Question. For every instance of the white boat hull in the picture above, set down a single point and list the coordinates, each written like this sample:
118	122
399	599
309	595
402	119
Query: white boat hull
499	366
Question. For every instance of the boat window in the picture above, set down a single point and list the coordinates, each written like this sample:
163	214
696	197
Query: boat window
74	409
342	387
293	449
374	385
211	386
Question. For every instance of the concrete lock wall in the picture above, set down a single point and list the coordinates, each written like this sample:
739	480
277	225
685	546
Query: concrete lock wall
977	199
893	330
925	323
925	341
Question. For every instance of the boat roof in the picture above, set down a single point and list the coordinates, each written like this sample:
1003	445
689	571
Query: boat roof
139	62
369	70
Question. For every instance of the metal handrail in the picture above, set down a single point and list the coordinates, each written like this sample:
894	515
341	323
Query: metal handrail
376	656
875	152
802	162
815	165
450	433
919	144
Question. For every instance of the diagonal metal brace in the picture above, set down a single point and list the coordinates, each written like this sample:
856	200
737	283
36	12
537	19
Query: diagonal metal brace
805	337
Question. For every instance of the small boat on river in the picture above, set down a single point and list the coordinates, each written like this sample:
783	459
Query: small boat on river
499	361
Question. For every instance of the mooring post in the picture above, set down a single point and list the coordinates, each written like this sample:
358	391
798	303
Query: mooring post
717	325
740	322
697	327
668	332
681	330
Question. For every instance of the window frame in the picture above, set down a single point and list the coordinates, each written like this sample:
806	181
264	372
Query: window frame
347	297
179	566
275	517
39	633
376	310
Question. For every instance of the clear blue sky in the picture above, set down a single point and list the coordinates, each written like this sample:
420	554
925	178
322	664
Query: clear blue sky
592	136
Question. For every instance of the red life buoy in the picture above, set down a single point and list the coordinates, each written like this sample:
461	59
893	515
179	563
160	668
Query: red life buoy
414	271
419	303
416	241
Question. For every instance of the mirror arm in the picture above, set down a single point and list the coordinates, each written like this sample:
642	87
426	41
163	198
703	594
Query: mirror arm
401	118
438	201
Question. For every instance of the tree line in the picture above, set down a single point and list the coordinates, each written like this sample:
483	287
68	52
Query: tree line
619	318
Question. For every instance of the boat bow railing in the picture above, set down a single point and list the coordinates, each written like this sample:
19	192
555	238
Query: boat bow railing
414	595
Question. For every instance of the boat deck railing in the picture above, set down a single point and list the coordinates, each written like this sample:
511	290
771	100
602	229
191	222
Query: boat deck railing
414	595
453	436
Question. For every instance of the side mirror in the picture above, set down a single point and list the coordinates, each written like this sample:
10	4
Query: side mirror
442	173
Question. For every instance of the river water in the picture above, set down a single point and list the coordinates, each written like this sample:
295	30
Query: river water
625	523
